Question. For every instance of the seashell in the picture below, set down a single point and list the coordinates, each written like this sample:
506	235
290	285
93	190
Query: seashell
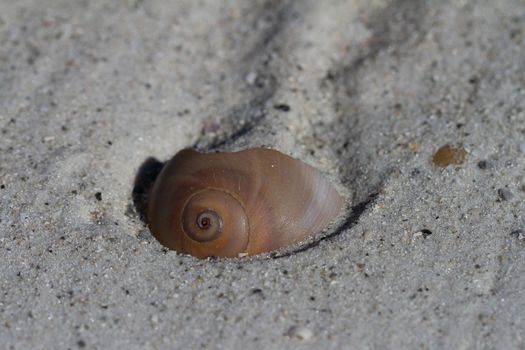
235	204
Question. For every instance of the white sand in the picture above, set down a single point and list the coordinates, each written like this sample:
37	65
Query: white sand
90	89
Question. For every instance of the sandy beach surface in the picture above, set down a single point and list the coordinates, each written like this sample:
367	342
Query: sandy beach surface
94	95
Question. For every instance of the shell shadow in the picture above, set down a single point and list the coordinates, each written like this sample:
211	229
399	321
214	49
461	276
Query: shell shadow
144	180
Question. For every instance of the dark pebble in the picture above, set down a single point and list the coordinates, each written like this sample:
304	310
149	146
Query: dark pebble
482	164
519	234
282	107
504	194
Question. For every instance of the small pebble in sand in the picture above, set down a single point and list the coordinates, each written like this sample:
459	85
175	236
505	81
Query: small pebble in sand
423	233
449	155
483	164
299	333
282	107
519	234
504	195
416	147
251	78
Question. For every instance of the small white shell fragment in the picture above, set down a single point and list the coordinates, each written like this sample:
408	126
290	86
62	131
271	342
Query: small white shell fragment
299	333
251	77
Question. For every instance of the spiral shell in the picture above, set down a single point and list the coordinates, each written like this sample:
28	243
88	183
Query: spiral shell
231	204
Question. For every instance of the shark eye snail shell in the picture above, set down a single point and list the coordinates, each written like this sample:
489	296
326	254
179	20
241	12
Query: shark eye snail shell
230	204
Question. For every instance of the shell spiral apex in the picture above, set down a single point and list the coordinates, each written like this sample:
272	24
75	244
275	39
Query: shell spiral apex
247	202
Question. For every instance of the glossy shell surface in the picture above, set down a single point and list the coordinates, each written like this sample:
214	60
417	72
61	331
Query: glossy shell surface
242	203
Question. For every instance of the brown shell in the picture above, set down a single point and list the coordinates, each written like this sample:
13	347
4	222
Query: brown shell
247	202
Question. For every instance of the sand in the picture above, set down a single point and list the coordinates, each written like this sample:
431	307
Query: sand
430	256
